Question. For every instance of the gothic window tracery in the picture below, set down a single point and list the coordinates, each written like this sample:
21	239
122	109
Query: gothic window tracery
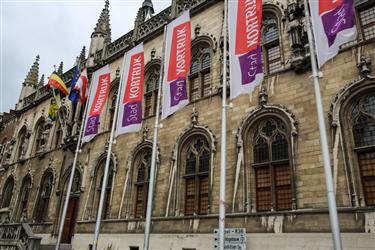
44	197
196	161
99	176
271	48
22	208
151	89
363	130
271	164
200	71
141	183
7	192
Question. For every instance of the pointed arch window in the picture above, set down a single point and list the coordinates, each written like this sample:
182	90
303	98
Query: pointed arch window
7	192
270	44
23	201
108	189
200	71
44	197
273	180
197	166
151	89
141	184
363	130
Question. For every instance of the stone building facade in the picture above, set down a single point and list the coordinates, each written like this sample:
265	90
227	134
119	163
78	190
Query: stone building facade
275	179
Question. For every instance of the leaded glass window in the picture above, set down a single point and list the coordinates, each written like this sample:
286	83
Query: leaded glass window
108	188
200	72
197	165
363	129
271	44
7	192
151	90
367	20
44	197
272	167
142	180
24	199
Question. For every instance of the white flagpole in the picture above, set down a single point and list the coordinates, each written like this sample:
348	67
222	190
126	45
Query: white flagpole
65	209
336	237
150	196
107	162
223	152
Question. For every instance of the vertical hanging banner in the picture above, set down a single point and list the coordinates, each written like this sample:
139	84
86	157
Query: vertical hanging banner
244	21
129	116
333	25
100	82
176	65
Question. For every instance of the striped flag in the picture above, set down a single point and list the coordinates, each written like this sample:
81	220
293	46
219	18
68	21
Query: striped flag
176	65
129	116
333	24
74	95
101	80
54	81
81	86
246	70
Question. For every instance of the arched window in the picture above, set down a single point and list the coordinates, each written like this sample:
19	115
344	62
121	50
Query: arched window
98	188
142	169
23	200
151	89
271	44
7	192
41	209
196	160
273	180
200	71
41	136
363	129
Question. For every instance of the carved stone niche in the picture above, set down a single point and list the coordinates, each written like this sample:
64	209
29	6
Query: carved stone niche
296	28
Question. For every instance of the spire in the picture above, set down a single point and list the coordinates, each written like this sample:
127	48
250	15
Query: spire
33	75
82	56
103	25
147	9
60	70
41	81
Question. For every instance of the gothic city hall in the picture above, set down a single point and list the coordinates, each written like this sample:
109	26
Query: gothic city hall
212	124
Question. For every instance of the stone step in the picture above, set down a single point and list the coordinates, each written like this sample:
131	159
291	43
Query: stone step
52	247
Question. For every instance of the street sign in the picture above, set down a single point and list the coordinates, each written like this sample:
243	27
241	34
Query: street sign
235	239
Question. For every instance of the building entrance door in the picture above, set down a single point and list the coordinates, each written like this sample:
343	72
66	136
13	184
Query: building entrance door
70	220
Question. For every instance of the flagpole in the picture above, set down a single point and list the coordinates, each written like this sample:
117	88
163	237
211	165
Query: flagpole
107	164
336	237
77	151
150	196
223	153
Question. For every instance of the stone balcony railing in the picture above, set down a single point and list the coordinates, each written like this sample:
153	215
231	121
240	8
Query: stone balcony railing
18	236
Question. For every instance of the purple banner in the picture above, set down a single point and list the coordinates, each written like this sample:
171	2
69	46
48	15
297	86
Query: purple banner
341	18
178	91
251	65
132	113
92	125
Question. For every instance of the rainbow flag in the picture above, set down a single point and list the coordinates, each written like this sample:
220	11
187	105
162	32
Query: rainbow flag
54	81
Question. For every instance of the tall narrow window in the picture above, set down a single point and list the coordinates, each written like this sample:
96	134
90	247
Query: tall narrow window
151	90
22	143
108	189
143	177
367	21
3	146
7	192
23	199
112	109
273	181
364	144
40	136
44	197
197	165
58	134
271	44
200	72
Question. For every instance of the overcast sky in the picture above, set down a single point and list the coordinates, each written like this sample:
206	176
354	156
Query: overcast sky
56	30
